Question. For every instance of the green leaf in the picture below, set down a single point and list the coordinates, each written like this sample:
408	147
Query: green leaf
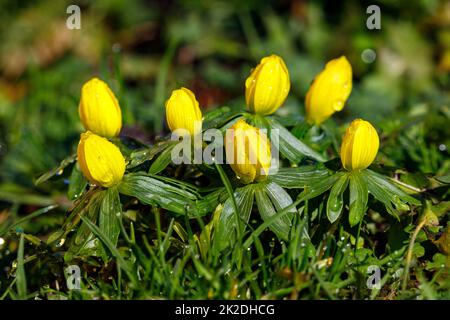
178	184
257	232
20	272
316	188
91	214
91	246
57	171
84	243
154	192
290	121
390	187
77	183
439	262
140	156
380	194
162	161
257	120
299	177
227	184
418	250
358	198
5	228
217	118
110	213
82	206
387	193
125	265
444	179
225	230
335	201
208	203
266	210
291	147
204	240
273	198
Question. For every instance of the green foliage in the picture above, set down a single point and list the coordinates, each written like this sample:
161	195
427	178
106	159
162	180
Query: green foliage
335	201
358	198
227	224
310	231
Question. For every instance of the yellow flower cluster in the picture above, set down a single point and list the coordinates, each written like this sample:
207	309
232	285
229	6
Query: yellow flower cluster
248	151
268	85
100	160
266	89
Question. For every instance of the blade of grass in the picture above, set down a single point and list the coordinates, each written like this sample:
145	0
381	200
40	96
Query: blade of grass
410	252
126	266
268	222
160	87
28	217
322	283
226	182
20	273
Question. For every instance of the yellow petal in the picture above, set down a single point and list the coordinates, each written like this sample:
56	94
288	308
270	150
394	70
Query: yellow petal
267	86
101	161
183	112
99	109
359	145
248	152
329	90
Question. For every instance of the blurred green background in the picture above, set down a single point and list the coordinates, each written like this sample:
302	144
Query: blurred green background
145	49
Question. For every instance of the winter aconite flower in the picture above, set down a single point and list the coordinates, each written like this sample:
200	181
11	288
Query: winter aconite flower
100	161
329	90
267	86
183	112
248	152
99	109
359	145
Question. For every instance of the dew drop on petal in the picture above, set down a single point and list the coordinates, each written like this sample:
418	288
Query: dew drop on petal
338	105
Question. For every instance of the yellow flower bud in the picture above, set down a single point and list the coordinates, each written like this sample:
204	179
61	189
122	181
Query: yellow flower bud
329	90
101	161
99	109
183	112
248	152
359	145
267	86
